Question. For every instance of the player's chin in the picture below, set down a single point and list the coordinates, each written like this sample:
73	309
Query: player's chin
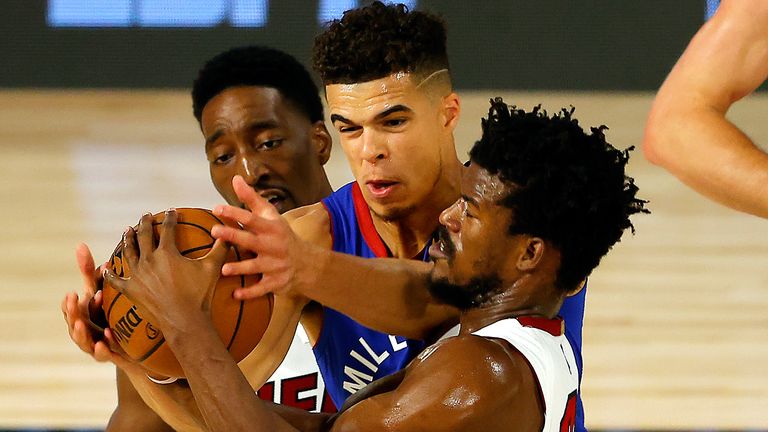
440	270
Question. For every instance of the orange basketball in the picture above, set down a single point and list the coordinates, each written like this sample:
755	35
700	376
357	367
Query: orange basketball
239	324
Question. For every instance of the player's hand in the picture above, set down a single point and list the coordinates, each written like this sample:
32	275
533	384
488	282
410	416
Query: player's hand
167	286
265	233
81	312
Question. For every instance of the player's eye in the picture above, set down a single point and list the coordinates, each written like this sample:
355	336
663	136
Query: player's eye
222	159
348	129
271	144
395	122
464	207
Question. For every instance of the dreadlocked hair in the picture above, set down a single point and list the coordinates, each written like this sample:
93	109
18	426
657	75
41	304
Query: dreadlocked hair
567	186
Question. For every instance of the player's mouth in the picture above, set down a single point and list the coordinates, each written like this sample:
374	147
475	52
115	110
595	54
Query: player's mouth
436	251
276	197
442	247
380	189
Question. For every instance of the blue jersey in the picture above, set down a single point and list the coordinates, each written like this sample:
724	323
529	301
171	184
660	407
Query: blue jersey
351	355
572	313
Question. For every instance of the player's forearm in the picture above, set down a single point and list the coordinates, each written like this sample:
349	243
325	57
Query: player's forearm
132	412
708	153
386	294
688	132
223	395
726	60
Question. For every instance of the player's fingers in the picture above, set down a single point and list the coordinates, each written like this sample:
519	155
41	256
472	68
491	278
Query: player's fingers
253	291
257	265
145	235
130	254
71	310
65	303
64	306
246	218
250	266
258	205
86	265
118	283
101	352
168	231
82	337
266	284
112	344
241	238
95	311
218	254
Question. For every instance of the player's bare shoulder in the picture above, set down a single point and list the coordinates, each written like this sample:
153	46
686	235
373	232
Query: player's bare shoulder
311	223
486	384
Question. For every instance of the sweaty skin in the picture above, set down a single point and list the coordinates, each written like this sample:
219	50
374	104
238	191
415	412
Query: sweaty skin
255	133
461	383
385	145
688	132
399	143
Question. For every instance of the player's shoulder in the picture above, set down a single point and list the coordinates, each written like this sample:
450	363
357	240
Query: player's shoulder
311	223
501	370
479	383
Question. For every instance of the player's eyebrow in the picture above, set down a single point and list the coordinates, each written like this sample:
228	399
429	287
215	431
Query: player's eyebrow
213	137
394	109
256	126
262	125
339	117
470	200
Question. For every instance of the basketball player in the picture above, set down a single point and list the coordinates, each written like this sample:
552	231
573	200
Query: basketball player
262	119
688	132
541	203
390	97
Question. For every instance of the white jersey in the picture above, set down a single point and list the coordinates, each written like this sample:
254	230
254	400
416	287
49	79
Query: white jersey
543	343
297	381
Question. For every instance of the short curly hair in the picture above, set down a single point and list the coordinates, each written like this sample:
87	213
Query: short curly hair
567	187
375	41
257	66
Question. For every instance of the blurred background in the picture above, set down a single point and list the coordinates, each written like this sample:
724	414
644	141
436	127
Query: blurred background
96	128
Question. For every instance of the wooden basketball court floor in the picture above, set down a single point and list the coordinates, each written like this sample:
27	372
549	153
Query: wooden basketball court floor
676	326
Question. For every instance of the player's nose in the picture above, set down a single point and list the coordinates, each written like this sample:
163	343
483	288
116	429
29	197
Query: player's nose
373	148
251	169
448	217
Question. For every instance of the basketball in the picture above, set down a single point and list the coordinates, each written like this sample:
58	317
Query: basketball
240	324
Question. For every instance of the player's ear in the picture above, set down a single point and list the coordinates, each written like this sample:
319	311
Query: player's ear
321	141
451	108
533	250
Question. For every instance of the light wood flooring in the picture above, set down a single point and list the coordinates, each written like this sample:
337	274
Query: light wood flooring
676	328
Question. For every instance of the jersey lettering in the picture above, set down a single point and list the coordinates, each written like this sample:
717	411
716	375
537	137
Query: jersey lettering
360	380
291	390
291	387
397	346
568	423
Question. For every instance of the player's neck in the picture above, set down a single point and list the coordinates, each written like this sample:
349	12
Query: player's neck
511	303
408	235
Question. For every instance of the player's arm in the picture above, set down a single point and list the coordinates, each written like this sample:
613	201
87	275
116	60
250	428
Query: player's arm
225	397
464	383
181	310
388	295
687	131
132	413
313	226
